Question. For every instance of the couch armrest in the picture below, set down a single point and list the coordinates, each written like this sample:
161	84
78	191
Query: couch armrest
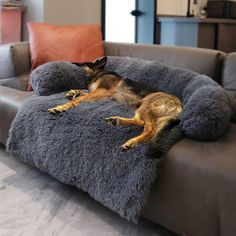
11	101
14	59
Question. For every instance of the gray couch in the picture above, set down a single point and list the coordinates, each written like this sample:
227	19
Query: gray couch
196	192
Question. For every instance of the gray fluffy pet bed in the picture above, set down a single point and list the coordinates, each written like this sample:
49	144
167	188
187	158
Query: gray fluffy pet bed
206	109
78	147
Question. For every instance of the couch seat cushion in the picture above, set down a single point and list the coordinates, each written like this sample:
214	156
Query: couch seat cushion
197	179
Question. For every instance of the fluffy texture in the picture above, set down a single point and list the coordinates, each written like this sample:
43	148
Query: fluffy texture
79	148
206	110
55	77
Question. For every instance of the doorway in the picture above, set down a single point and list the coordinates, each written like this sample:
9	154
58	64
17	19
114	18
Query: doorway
129	21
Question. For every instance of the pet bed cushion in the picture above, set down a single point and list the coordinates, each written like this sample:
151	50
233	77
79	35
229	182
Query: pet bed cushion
55	77
79	148
206	109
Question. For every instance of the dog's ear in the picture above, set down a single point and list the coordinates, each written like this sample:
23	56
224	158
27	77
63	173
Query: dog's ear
101	62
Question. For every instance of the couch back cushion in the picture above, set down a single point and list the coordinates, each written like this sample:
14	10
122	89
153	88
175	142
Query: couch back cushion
229	72
14	59
74	43
15	65
229	80
203	61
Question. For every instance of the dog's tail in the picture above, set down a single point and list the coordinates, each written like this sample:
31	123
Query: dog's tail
162	142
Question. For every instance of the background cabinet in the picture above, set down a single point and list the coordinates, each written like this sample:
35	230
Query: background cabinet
210	33
11	24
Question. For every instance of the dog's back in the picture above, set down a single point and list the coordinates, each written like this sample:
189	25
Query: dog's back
124	91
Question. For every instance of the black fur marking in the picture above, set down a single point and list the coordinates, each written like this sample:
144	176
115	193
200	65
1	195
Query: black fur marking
138	88
102	73
112	121
107	79
160	145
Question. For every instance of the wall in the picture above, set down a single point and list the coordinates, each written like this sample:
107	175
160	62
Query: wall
34	12
171	7
87	11
61	12
178	7
72	11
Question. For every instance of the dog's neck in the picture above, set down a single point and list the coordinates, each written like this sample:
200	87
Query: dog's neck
95	75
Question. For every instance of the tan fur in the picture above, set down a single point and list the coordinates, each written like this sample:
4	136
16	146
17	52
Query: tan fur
155	113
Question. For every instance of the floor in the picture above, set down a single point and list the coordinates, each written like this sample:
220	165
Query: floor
33	203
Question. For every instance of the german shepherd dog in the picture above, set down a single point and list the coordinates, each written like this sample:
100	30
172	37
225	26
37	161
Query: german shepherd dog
154	110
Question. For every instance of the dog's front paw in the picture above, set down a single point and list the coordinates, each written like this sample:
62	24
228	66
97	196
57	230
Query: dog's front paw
72	94
56	110
129	145
112	120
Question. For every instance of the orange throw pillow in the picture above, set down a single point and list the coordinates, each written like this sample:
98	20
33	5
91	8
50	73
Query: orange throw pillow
75	43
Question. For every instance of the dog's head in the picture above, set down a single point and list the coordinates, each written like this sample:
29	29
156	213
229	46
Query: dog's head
93	68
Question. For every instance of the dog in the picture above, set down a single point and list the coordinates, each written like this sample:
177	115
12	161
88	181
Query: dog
153	110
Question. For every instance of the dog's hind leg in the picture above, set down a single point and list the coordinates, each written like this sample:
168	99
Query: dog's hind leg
148	132
117	120
151	130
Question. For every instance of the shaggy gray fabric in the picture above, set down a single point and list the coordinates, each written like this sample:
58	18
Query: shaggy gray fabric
79	148
55	77
206	109
199	120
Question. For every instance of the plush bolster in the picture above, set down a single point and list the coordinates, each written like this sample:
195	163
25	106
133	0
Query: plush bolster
14	59
57	76
203	61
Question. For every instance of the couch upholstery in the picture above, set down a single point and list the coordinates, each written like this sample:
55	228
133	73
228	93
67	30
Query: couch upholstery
229	72
196	193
